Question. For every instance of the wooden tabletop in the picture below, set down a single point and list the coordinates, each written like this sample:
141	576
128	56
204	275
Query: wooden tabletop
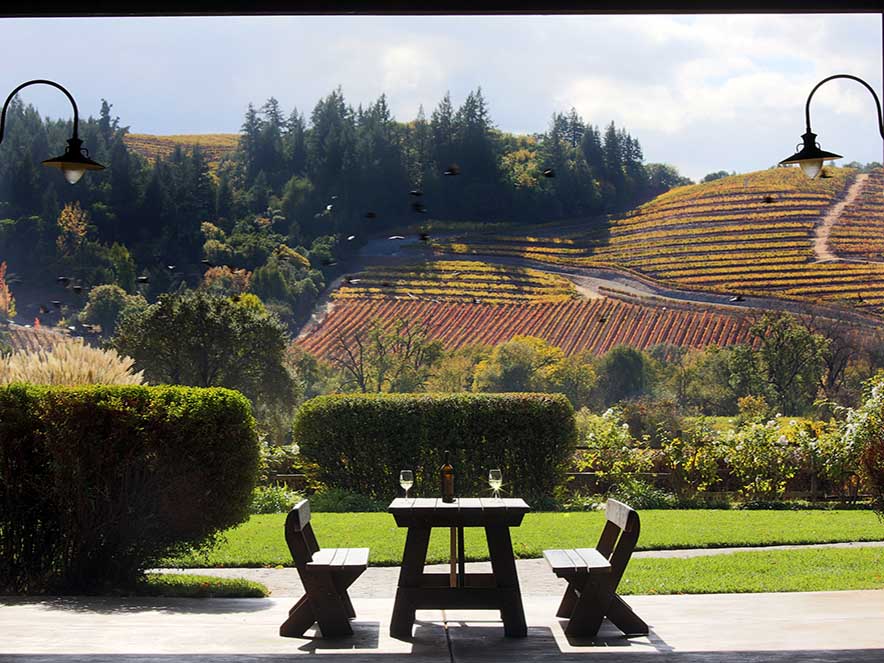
463	512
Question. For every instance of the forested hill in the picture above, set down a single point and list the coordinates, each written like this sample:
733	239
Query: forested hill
292	196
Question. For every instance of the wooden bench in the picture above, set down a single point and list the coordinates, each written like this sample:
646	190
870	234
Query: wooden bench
593	575
326	574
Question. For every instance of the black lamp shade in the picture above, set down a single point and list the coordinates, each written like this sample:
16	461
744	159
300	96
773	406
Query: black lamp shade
810	157
73	162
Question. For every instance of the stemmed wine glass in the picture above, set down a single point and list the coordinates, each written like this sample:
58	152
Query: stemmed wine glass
406	480
495	480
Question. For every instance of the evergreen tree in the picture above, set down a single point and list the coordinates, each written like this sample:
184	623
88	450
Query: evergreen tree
574	129
442	124
295	143
613	151
250	144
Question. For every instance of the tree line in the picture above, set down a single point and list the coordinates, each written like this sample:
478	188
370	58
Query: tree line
274	211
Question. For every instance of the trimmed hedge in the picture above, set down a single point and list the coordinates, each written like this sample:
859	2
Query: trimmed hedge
98	483
360	442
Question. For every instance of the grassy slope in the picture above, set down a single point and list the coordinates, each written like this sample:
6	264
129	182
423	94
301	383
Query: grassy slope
259	542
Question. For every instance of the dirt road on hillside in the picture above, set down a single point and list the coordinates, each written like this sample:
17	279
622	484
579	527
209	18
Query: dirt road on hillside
594	282
821	248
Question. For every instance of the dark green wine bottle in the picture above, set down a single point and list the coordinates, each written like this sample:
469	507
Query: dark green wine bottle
447	475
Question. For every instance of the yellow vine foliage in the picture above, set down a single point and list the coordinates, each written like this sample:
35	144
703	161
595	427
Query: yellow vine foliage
457	280
69	364
73	221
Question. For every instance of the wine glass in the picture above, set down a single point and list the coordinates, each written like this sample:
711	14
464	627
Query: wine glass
406	480
495	480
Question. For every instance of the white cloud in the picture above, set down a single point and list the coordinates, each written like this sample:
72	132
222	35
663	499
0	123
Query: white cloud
690	88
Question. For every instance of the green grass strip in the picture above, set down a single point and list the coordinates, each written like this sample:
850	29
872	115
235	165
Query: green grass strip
813	570
174	585
260	541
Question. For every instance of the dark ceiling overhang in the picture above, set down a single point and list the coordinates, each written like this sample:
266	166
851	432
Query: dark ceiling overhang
46	8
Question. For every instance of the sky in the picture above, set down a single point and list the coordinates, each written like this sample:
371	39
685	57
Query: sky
703	93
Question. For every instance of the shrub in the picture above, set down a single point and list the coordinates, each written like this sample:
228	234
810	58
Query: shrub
654	420
339	500
98	483
864	437
692	460
70	363
277	459
273	499
579	501
611	451
762	459
360	442
642	495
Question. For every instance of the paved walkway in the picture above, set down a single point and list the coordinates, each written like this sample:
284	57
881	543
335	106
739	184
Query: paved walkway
740	628
822	627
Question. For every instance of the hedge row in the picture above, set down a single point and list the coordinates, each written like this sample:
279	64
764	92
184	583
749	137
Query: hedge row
361	442
98	483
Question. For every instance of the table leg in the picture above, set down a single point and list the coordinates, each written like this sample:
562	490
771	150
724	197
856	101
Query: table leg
452	559
462	560
503	563
413	559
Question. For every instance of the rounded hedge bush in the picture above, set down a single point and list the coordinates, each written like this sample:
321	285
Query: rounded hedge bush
98	483
360	442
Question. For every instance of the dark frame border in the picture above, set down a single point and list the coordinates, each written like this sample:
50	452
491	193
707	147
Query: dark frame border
49	8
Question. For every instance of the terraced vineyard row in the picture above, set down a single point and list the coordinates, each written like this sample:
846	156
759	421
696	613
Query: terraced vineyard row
214	146
859	232
456	280
746	234
575	326
28	339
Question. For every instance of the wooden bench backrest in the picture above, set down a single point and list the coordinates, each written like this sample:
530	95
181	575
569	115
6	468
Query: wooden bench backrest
619	537
299	535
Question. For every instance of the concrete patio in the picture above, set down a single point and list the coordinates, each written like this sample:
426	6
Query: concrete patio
814	626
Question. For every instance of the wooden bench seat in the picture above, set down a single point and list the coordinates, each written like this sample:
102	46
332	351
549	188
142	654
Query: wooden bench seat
341	557
326	574
593	575
574	561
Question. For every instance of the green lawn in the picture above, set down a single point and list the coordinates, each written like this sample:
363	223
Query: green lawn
199	587
260	542
758	571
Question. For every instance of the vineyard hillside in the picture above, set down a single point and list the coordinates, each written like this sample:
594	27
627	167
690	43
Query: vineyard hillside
749	234
858	232
456	281
575	326
214	146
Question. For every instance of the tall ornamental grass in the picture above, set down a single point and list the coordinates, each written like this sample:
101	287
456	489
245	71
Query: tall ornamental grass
68	364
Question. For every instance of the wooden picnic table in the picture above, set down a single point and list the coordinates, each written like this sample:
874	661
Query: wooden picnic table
498	590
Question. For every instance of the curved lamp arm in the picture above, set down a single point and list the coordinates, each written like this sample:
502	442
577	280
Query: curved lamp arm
36	82
75	161
810	157
878	117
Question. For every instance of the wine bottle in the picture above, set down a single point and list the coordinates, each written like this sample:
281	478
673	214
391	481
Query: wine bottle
447	475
